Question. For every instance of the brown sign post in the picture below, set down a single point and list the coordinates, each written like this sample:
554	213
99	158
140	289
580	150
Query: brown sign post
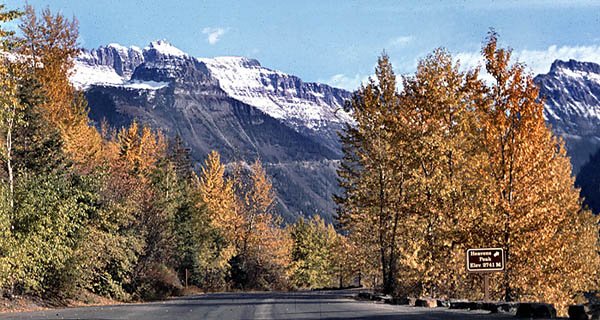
485	260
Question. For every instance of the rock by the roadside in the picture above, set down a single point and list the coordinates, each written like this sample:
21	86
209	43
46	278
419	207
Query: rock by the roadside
585	311
365	295
443	303
426	302
578	312
536	311
383	298
508	307
488	306
400	301
461	305
595	311
493	307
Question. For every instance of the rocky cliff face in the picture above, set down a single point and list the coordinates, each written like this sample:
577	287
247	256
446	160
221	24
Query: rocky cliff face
572	106
122	60
231	104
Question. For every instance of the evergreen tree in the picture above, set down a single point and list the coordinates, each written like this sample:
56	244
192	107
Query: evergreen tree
52	204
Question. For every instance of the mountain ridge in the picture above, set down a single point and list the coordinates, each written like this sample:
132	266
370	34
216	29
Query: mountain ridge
571	93
230	104
246	112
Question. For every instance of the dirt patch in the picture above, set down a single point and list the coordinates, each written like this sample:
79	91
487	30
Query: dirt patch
32	303
22	303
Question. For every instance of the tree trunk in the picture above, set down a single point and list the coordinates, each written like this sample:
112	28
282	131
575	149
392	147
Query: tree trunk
9	162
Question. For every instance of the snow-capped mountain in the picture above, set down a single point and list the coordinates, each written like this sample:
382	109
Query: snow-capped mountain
572	106
282	96
247	111
231	104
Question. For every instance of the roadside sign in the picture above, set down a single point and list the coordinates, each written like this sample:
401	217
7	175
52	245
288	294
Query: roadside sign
485	260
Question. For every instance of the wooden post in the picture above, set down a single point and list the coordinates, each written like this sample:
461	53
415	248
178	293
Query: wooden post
341	276
186	278
486	286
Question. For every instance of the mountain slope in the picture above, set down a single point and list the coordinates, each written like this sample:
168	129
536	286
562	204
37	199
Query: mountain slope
572	106
230	104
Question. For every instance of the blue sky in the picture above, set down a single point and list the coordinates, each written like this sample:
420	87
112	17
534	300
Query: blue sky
338	42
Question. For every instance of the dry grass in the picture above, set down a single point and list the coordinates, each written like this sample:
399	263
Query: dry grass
29	303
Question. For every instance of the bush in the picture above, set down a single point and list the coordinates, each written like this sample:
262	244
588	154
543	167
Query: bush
159	282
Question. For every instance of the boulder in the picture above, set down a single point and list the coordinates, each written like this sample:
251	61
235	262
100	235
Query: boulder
461	305
426	302
400	301
585	311
492	307
533	310
595	311
365	295
443	303
508	307
383	298
578	312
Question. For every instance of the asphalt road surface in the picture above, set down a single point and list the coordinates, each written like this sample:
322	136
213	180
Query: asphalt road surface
271	305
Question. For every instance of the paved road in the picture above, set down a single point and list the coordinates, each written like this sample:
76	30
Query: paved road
299	305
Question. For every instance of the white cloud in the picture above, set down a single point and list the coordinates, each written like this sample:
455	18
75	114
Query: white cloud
538	61
213	34
350	83
399	42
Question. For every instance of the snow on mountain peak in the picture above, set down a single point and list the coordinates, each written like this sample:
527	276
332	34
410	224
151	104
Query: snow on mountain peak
275	93
571	91
165	48
118	47
559	66
236	61
280	95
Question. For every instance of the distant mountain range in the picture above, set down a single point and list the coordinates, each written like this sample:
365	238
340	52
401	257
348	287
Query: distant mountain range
572	96
572	106
230	104
246	111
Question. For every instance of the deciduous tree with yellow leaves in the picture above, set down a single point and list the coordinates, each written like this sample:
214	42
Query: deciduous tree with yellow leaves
450	163
551	242
50	47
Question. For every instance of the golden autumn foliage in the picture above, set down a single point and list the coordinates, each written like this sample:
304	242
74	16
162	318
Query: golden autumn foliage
447	163
551	242
120	214
50	46
241	208
265	246
218	195
371	209
321	257
450	163
140	147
